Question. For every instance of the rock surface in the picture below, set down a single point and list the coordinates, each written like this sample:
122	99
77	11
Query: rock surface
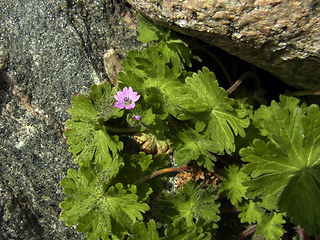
49	51
280	36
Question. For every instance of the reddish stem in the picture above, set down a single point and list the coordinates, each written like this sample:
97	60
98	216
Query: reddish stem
162	171
246	233
239	81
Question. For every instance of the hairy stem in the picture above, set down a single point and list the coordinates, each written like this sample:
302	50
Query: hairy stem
122	130
159	172
239	81
247	232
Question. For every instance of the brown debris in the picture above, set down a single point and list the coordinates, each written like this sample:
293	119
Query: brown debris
197	173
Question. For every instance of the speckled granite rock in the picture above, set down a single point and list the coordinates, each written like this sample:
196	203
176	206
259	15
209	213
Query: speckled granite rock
280	36
49	51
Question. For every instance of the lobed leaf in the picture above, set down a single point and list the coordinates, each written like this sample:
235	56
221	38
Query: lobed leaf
271	226
191	145
179	231
232	184
148	31
251	212
287	166
141	232
96	210
204	102
87	136
194	204
149	72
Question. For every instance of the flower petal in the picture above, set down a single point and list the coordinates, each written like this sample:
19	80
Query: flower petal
130	93
125	92
136	117
119	93
120	105
118	98
130	106
134	94
126	96
136	98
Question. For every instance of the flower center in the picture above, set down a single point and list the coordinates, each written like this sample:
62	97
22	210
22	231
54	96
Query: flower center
127	101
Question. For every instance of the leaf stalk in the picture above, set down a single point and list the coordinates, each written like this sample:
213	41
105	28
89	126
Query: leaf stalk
162	171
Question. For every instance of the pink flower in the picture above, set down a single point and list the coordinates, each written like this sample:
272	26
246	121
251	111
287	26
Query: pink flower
136	117
126	98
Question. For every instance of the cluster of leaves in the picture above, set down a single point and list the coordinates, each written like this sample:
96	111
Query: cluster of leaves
189	113
170	93
282	174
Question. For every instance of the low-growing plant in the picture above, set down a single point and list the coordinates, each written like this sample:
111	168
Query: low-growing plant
184	121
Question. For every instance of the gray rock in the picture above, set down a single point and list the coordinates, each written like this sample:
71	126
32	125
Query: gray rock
280	36
49	51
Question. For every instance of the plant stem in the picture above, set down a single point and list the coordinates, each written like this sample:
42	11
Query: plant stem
123	130
239	81
159	172
246	232
146	126
305	93
213	56
140	122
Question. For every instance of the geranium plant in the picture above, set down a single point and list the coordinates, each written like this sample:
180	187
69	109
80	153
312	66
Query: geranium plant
165	119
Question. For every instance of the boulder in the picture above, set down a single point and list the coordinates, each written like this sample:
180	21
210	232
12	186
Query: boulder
280	36
49	51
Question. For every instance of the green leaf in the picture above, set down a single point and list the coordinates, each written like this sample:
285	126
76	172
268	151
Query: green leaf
99	104
148	31
305	187
173	48
179	231
141	232
88	143
138	166
150	72
201	99
97	210
195	204
271	226
287	166
143	160
155	69
148	117
82	109
135	168
251	212
191	145
86	132
232	184
102	98
181	50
